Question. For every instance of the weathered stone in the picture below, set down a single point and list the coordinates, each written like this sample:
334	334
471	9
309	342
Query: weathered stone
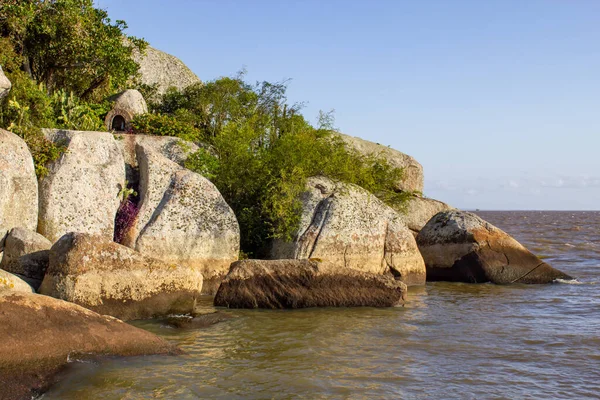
5	84
125	106
18	186
111	279
347	227
81	191
413	171
419	210
164	70
459	246
303	283
13	283
40	335
26	253
183	219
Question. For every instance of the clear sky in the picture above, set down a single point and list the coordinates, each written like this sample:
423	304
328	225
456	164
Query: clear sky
499	100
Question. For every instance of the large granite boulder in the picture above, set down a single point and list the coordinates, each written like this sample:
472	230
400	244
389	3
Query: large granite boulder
303	283
413	171
459	246
163	70
183	219
419	210
26	253
125	106
112	279
5	84
40	335
346	227
81	191
13	283
18	186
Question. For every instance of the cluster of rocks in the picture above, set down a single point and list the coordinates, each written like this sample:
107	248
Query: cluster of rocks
57	239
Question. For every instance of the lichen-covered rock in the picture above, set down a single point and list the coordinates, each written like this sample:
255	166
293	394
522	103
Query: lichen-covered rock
459	246
164	70
419	210
303	283
26	254
81	191
18	186
40	335
125	105
112	279
13	283
413	171
183	219
5	84
347	227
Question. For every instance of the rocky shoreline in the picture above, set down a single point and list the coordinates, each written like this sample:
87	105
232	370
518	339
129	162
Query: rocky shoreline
64	280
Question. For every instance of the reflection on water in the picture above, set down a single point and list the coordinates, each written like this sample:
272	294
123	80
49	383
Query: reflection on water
449	341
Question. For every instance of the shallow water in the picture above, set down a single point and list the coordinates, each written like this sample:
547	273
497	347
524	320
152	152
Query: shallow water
450	340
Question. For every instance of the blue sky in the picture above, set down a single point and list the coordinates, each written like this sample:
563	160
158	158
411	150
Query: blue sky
499	100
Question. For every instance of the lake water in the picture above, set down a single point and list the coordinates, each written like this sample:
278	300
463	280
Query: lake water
449	341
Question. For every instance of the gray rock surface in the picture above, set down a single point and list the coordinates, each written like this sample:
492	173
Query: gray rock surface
10	282
183	219
40	335
5	84
165	70
419	210
346	227
26	253
460	246
126	104
81	191
413	171
18	186
115	280
279	284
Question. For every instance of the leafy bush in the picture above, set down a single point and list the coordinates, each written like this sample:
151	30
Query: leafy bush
74	114
164	125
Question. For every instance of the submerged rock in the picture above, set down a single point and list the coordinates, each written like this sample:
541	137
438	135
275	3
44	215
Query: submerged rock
459	246
279	284
18	186
40	335
81	191
413	171
183	219
198	321
111	279
10	282
348	228
26	253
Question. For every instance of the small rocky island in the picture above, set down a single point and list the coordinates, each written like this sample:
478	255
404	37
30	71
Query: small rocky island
119	227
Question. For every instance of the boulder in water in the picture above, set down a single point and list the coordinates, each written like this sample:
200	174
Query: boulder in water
115	280
459	246
278	284
26	253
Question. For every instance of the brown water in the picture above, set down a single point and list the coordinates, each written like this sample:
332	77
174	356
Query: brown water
450	341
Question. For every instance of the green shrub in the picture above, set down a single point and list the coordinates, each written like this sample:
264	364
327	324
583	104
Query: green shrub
164	125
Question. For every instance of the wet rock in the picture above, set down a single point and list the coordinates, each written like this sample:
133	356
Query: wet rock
183	219
18	186
198	321
111	279
277	284
81	191
5	84
41	334
26	253
346	227
413	171
459	246
10	282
